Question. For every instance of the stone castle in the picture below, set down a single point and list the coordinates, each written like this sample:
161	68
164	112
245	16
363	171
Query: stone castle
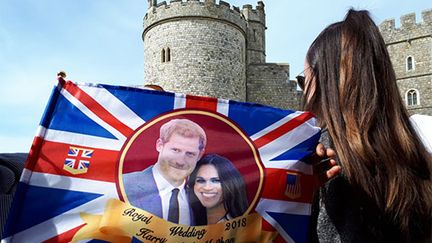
410	49
201	47
213	49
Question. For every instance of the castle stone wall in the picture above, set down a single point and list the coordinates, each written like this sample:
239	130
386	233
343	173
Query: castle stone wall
412	39
207	58
419	49
269	84
424	86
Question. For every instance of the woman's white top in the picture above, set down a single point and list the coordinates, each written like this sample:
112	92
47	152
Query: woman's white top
423	126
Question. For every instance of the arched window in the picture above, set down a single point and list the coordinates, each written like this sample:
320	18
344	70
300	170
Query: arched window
412	97
163	55
168	55
410	65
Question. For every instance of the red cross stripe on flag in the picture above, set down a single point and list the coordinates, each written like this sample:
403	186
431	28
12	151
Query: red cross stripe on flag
78	160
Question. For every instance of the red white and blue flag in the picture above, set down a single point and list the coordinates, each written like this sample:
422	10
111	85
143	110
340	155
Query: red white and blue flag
78	160
73	165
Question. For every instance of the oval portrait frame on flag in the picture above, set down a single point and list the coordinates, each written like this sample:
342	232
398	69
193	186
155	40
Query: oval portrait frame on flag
224	138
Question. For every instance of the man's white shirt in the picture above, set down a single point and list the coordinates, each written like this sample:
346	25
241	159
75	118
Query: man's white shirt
165	191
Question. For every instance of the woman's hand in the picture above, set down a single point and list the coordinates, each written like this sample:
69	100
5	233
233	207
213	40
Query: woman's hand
325	166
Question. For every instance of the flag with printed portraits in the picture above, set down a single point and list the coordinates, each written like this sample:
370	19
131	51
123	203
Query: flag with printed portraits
92	137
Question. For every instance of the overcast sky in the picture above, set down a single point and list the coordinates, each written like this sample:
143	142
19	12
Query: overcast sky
100	41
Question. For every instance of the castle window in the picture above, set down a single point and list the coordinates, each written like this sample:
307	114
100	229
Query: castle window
163	55
168	54
412	97
410	65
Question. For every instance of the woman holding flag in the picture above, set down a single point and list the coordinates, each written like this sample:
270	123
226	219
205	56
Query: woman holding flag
384	193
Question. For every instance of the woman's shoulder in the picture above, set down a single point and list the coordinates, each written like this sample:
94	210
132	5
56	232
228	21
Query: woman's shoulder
347	214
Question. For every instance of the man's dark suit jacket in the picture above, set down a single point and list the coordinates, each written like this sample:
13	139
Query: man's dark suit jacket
142	192
11	166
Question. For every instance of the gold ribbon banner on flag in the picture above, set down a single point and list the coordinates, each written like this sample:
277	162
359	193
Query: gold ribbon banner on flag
120	222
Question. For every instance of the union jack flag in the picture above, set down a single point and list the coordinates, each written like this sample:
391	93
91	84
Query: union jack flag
78	160
95	122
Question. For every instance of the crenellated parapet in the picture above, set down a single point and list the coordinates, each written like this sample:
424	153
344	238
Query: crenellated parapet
175	10
254	15
256	32
409	29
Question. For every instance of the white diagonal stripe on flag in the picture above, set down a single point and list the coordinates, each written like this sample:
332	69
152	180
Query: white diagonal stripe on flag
91	115
287	141
83	140
289	207
269	205
70	183
295	165
114	106
275	125
59	224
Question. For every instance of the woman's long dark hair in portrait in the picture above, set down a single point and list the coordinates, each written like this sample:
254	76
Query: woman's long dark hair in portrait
233	188
352	89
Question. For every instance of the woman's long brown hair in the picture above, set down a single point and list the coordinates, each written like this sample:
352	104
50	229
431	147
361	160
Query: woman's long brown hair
357	98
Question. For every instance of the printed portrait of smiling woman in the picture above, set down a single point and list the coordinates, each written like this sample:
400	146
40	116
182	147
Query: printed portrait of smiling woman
219	191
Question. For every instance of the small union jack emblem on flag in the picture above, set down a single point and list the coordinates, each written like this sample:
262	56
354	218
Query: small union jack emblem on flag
78	160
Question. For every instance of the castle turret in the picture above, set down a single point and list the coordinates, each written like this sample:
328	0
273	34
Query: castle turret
152	3
196	47
410	49
206	48
256	33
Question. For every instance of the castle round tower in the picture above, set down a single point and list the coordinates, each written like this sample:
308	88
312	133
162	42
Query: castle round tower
196	47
